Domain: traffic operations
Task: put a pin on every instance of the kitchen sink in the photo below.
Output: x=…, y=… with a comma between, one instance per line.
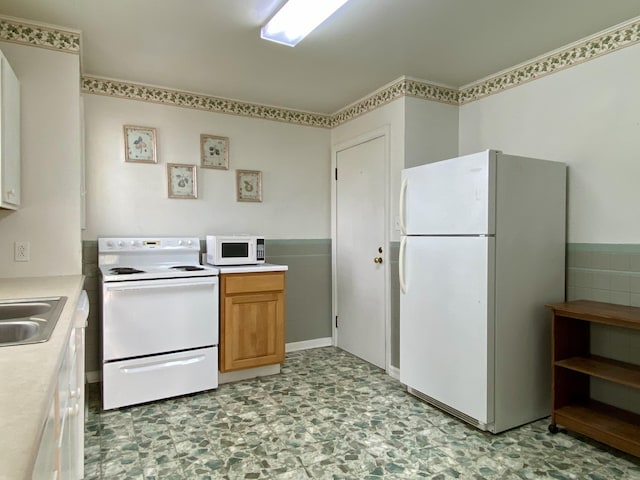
x=11, y=311
x=18, y=331
x=29, y=320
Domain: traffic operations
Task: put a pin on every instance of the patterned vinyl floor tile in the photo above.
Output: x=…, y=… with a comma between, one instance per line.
x=327, y=415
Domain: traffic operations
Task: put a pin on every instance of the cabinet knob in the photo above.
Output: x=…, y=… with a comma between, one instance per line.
x=377, y=260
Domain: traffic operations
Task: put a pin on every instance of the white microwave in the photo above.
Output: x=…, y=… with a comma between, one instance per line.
x=235, y=249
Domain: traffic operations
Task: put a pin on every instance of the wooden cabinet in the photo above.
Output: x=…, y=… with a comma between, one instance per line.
x=252, y=315
x=574, y=365
x=9, y=136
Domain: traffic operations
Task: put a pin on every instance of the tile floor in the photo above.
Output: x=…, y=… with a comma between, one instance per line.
x=328, y=415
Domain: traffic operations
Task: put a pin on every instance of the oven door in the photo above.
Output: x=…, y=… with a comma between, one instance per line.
x=128, y=382
x=146, y=317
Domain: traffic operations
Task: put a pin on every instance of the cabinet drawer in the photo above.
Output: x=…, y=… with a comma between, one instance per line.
x=253, y=282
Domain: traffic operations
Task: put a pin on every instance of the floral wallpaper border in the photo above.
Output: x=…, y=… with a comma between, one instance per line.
x=626, y=35
x=401, y=88
x=133, y=91
x=15, y=31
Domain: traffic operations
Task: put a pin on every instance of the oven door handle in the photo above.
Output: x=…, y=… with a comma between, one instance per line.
x=130, y=288
x=148, y=367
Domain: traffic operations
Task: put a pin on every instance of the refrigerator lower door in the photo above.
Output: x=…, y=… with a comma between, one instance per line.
x=446, y=328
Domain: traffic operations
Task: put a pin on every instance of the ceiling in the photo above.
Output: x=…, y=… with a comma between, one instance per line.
x=213, y=46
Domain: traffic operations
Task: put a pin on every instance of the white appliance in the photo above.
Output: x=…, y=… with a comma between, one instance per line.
x=159, y=319
x=235, y=249
x=482, y=251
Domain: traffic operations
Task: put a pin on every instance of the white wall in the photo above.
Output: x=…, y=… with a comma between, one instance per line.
x=431, y=131
x=130, y=199
x=49, y=217
x=586, y=116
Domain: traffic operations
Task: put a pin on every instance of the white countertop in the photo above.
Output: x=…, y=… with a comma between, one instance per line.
x=261, y=267
x=29, y=374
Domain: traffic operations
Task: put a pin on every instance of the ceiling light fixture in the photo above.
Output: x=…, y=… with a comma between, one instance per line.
x=297, y=18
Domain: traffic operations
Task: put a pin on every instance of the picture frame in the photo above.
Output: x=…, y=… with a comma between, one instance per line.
x=249, y=185
x=139, y=144
x=182, y=181
x=214, y=152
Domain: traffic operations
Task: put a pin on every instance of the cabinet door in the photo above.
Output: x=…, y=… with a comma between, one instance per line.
x=10, y=136
x=46, y=465
x=253, y=330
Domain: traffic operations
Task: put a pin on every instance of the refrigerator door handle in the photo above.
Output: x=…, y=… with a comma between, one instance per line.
x=403, y=201
x=403, y=285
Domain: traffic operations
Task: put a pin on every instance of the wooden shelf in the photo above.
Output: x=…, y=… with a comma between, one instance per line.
x=574, y=366
x=605, y=368
x=607, y=424
x=599, y=312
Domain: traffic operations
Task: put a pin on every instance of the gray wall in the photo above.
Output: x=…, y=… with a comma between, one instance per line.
x=308, y=293
x=608, y=273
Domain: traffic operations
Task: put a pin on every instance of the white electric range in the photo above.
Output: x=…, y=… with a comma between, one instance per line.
x=159, y=319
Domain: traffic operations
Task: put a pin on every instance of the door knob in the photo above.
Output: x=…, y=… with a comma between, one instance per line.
x=377, y=260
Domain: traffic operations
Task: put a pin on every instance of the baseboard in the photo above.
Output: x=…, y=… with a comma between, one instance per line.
x=393, y=372
x=238, y=375
x=307, y=344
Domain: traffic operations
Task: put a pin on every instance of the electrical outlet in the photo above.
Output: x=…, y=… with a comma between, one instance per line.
x=21, y=251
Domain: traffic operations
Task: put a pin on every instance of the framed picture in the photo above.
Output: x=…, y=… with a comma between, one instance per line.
x=214, y=152
x=140, y=144
x=182, y=181
x=249, y=185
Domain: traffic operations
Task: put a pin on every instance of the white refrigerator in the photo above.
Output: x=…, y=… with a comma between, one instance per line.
x=482, y=251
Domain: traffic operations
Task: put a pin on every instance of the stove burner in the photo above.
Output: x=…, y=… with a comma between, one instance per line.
x=125, y=270
x=187, y=268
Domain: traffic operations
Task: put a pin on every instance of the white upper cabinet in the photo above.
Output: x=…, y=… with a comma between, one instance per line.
x=9, y=136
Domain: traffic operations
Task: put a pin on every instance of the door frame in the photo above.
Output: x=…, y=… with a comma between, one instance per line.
x=383, y=132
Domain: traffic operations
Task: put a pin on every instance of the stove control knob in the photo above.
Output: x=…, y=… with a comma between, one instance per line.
x=121, y=243
x=133, y=243
x=189, y=242
x=109, y=243
x=180, y=242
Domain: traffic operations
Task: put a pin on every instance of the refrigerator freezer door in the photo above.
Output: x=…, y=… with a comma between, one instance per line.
x=450, y=197
x=446, y=327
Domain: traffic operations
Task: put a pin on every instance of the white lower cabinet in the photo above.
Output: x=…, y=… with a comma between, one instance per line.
x=46, y=466
x=61, y=452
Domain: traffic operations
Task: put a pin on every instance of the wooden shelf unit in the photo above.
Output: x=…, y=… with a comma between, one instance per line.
x=573, y=366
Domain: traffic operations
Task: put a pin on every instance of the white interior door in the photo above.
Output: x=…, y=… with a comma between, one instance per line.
x=361, y=250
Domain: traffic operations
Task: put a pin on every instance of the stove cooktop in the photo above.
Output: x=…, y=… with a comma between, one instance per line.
x=124, y=270
x=120, y=273
x=147, y=258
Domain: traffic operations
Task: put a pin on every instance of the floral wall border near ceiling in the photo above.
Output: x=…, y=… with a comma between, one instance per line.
x=146, y=93
x=627, y=34
x=17, y=31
